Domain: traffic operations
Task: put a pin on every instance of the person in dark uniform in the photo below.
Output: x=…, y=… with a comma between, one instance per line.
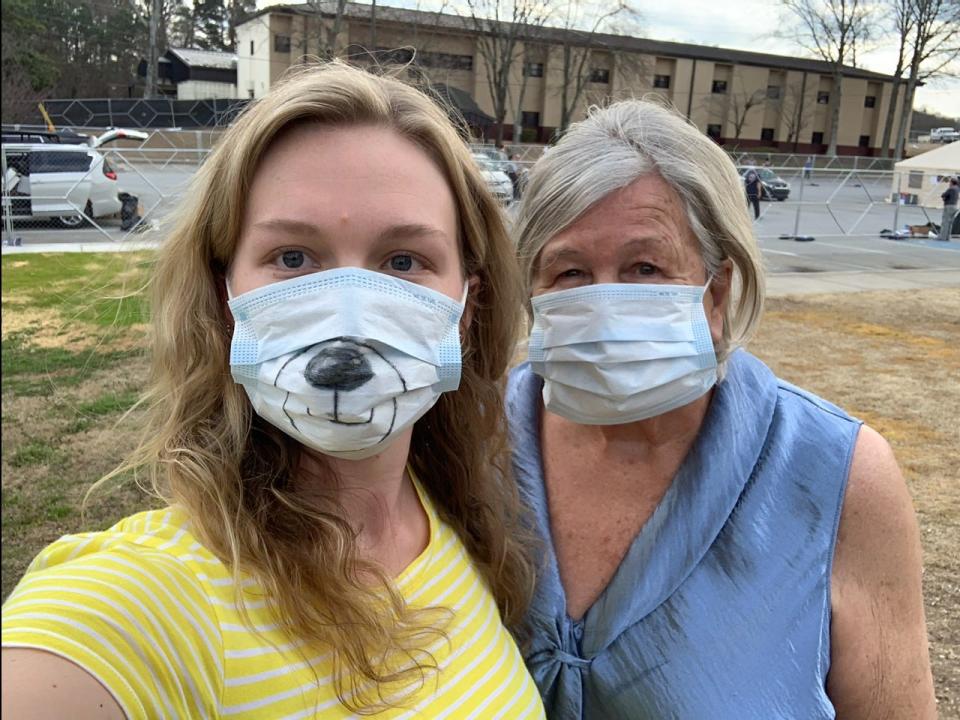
x=754, y=191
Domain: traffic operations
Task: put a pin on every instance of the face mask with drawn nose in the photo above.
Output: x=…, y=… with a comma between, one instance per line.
x=345, y=359
x=617, y=353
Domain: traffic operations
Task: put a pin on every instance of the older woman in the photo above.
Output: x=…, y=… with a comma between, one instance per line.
x=719, y=543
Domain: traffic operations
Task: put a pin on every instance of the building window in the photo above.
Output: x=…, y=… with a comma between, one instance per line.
x=530, y=119
x=281, y=43
x=719, y=87
x=250, y=93
x=773, y=92
x=766, y=134
x=916, y=180
x=823, y=98
x=600, y=75
x=870, y=101
x=661, y=81
x=251, y=48
x=447, y=61
x=864, y=141
x=533, y=69
x=713, y=131
x=817, y=138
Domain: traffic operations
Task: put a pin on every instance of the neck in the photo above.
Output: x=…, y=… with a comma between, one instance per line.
x=667, y=434
x=377, y=496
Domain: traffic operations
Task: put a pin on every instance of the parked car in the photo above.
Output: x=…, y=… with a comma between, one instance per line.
x=498, y=181
x=944, y=135
x=497, y=157
x=773, y=185
x=65, y=179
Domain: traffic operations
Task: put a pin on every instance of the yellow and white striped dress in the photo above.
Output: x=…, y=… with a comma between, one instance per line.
x=148, y=611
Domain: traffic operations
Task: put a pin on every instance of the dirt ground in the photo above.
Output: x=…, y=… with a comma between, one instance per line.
x=893, y=360
x=890, y=358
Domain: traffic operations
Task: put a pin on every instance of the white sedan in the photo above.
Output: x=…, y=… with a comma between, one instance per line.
x=498, y=181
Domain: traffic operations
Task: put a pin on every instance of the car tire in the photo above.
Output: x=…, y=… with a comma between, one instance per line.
x=71, y=222
x=781, y=199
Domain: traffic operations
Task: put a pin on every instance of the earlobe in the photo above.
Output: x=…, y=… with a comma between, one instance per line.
x=719, y=297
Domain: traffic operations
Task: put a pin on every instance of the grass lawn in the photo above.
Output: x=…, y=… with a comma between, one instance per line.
x=73, y=364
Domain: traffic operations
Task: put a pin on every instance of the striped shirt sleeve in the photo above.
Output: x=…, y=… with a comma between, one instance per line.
x=131, y=614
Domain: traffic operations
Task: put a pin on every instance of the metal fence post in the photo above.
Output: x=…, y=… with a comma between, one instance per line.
x=796, y=222
x=896, y=201
x=7, y=202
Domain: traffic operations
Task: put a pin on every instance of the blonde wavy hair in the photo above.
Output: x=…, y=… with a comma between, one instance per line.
x=205, y=449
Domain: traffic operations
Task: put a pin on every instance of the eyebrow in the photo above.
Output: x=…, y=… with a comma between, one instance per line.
x=403, y=231
x=564, y=251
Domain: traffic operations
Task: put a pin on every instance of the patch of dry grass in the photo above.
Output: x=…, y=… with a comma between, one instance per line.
x=890, y=358
x=893, y=360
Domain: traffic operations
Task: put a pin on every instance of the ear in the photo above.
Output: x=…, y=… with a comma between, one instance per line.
x=717, y=298
x=220, y=284
x=473, y=287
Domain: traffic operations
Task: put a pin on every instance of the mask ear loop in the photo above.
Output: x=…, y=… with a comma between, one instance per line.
x=225, y=296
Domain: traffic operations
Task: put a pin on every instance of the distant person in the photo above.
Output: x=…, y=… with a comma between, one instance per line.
x=754, y=191
x=333, y=314
x=808, y=168
x=949, y=198
x=717, y=543
x=519, y=175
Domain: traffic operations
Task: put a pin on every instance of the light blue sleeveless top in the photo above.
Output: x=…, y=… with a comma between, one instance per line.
x=721, y=606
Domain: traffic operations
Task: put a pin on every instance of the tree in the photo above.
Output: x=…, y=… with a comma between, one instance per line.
x=69, y=48
x=578, y=48
x=741, y=103
x=833, y=30
x=501, y=27
x=933, y=47
x=796, y=116
x=153, y=51
x=902, y=21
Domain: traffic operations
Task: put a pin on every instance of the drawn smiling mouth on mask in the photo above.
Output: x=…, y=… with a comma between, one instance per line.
x=340, y=366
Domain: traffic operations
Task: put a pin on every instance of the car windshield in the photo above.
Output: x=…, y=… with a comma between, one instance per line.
x=484, y=162
x=767, y=174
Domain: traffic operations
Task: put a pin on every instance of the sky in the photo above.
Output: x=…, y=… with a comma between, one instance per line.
x=752, y=26
x=743, y=25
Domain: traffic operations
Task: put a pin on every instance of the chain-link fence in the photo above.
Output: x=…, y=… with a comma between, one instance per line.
x=55, y=193
x=61, y=193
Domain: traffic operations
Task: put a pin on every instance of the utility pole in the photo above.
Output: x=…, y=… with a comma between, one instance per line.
x=153, y=55
x=373, y=27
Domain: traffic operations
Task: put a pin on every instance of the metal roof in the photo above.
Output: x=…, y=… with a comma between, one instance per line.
x=193, y=57
x=444, y=21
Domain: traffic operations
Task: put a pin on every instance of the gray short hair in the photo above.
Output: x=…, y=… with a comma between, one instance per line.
x=619, y=144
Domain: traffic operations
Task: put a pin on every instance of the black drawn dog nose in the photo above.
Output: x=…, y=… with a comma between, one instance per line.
x=338, y=368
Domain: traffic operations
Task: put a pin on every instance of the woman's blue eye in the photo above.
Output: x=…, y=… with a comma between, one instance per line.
x=292, y=259
x=401, y=263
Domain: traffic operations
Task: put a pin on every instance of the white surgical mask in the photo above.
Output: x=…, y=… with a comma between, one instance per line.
x=617, y=353
x=345, y=359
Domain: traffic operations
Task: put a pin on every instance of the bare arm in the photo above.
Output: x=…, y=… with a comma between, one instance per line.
x=38, y=685
x=880, y=664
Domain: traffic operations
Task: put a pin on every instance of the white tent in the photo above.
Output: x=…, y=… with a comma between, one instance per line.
x=921, y=180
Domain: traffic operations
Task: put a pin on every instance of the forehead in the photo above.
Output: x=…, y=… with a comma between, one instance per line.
x=646, y=212
x=358, y=174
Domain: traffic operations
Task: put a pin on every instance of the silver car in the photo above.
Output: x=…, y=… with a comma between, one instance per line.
x=498, y=181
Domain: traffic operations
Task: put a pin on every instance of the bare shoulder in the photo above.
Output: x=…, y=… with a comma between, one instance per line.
x=880, y=666
x=39, y=685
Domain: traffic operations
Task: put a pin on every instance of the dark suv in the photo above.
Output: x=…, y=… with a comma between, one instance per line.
x=774, y=186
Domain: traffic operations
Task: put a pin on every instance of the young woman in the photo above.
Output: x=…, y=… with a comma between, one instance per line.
x=331, y=317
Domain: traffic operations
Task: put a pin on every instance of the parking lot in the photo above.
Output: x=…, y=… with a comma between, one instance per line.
x=843, y=211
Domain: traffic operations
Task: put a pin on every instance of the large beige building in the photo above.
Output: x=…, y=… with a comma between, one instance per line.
x=740, y=98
